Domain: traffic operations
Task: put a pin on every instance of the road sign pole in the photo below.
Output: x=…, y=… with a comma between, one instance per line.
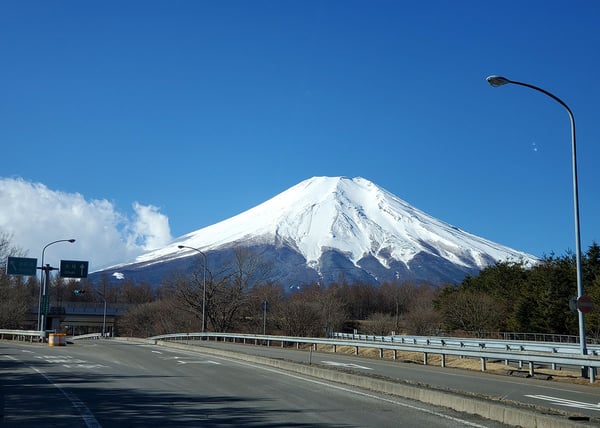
x=45, y=309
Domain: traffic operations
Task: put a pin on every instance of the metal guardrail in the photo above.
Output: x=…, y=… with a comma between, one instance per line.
x=30, y=335
x=448, y=348
x=529, y=352
x=87, y=336
x=34, y=335
x=509, y=345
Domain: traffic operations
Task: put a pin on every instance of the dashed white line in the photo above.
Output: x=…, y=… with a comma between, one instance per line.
x=348, y=365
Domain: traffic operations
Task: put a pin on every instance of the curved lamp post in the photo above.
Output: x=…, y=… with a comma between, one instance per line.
x=203, y=281
x=499, y=81
x=44, y=283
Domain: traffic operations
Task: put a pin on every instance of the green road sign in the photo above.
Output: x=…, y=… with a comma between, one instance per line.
x=21, y=266
x=73, y=269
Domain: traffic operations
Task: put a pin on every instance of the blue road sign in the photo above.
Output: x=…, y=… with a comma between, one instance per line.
x=21, y=266
x=73, y=269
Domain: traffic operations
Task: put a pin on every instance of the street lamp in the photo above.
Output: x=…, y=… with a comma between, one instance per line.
x=104, y=314
x=203, y=281
x=45, y=278
x=499, y=81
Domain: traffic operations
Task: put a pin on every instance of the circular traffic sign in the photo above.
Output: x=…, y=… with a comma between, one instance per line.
x=585, y=304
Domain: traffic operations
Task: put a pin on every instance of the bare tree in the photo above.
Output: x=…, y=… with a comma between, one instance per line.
x=16, y=296
x=379, y=323
x=421, y=317
x=470, y=310
x=313, y=311
x=299, y=316
x=226, y=291
x=262, y=307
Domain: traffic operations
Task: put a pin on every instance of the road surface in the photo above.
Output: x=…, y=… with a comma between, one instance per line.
x=107, y=383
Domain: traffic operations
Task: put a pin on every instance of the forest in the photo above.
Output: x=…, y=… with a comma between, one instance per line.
x=506, y=297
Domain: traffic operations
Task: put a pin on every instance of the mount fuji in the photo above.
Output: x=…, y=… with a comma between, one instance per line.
x=328, y=228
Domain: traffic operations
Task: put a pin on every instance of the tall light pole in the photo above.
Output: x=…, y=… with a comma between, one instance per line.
x=45, y=278
x=203, y=282
x=499, y=81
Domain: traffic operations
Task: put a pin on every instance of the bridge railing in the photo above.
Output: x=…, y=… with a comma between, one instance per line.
x=480, y=349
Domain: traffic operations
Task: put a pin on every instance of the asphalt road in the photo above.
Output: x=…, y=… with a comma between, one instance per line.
x=117, y=384
x=572, y=398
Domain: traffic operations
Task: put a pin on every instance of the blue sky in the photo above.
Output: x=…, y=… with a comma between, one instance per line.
x=134, y=122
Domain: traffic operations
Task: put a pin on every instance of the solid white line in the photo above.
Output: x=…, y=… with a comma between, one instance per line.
x=86, y=414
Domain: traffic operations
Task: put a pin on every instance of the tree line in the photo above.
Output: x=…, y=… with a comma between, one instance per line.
x=507, y=296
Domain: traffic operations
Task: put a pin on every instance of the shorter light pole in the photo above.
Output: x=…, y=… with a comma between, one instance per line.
x=203, y=282
x=104, y=314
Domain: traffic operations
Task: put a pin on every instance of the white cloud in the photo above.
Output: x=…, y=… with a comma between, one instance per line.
x=150, y=230
x=35, y=215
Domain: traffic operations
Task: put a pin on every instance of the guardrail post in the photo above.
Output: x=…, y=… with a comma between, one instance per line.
x=443, y=360
x=592, y=374
x=424, y=358
x=483, y=364
x=356, y=350
x=531, y=370
x=380, y=352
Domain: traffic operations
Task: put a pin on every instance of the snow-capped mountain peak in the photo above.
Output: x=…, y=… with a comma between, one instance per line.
x=351, y=216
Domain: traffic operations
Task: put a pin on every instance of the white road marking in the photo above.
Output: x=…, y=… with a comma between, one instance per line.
x=183, y=360
x=348, y=365
x=84, y=366
x=70, y=362
x=567, y=403
x=61, y=360
x=87, y=416
x=198, y=362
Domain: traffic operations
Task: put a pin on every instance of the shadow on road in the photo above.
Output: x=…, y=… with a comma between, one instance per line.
x=29, y=399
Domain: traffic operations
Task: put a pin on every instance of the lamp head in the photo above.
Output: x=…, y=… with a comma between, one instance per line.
x=71, y=240
x=496, y=81
x=181, y=246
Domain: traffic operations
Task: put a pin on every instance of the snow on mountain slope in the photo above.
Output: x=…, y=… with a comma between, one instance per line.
x=353, y=216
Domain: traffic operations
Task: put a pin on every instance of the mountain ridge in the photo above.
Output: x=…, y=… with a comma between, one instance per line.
x=335, y=221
